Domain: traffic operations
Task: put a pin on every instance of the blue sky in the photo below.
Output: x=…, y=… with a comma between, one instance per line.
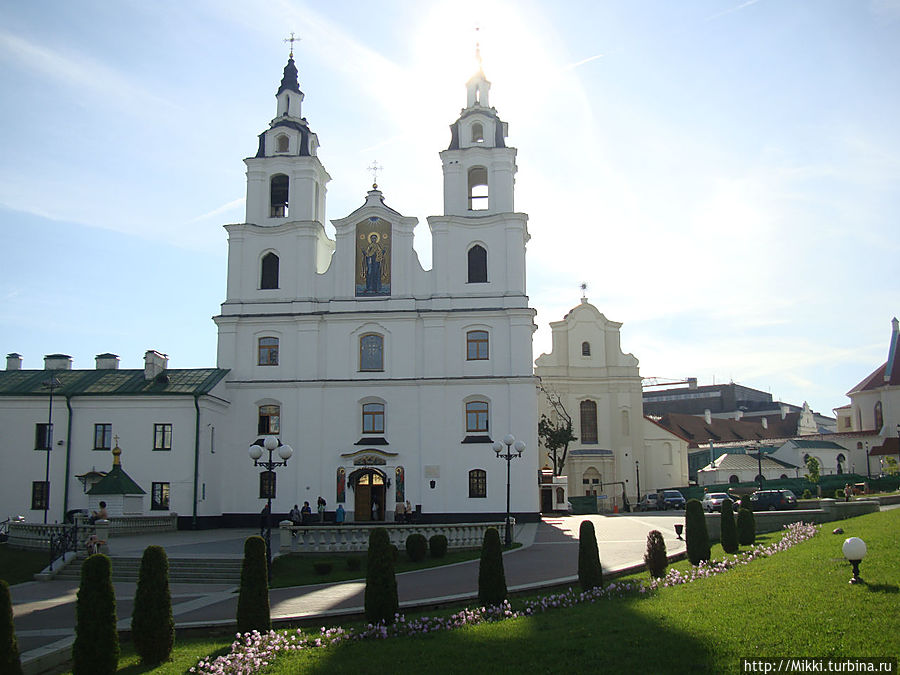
x=723, y=175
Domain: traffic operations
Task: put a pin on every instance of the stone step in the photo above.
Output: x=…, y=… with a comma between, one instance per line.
x=181, y=570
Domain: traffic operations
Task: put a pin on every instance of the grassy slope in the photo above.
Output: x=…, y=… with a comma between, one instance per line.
x=17, y=566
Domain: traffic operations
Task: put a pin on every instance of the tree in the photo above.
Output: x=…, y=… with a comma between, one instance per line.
x=590, y=574
x=9, y=649
x=253, y=600
x=381, y=601
x=655, y=557
x=696, y=535
x=96, y=647
x=746, y=527
x=556, y=434
x=152, y=625
x=729, y=530
x=890, y=466
x=812, y=465
x=491, y=576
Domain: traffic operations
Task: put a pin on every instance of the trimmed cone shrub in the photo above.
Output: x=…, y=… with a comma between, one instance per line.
x=152, y=625
x=696, y=535
x=590, y=574
x=729, y=530
x=491, y=576
x=416, y=547
x=96, y=648
x=381, y=585
x=253, y=601
x=655, y=557
x=437, y=546
x=9, y=649
x=746, y=527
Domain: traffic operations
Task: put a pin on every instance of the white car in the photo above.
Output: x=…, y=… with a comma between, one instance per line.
x=712, y=501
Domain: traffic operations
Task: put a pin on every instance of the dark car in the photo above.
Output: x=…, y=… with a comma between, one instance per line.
x=773, y=500
x=671, y=499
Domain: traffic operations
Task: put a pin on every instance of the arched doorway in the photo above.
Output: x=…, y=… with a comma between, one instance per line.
x=369, y=488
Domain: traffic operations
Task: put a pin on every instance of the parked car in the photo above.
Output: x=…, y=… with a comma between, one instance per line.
x=712, y=501
x=671, y=499
x=773, y=500
x=648, y=502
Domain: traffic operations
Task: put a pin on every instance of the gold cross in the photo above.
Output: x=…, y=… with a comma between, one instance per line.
x=374, y=168
x=116, y=439
x=292, y=40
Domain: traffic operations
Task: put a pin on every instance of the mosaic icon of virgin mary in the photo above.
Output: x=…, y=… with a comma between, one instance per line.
x=373, y=275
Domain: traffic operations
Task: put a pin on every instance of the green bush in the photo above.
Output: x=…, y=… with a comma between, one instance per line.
x=746, y=527
x=152, y=625
x=696, y=535
x=96, y=647
x=729, y=530
x=381, y=601
x=9, y=649
x=807, y=494
x=590, y=574
x=253, y=600
x=322, y=568
x=655, y=557
x=839, y=494
x=416, y=547
x=354, y=564
x=437, y=546
x=491, y=576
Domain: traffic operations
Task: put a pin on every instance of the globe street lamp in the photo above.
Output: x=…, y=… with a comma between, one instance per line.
x=854, y=550
x=267, y=482
x=519, y=446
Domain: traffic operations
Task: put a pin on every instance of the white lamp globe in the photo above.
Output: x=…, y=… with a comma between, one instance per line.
x=285, y=451
x=854, y=548
x=255, y=452
x=520, y=447
x=270, y=442
x=509, y=439
x=497, y=446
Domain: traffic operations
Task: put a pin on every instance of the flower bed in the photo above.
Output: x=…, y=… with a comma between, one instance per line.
x=250, y=652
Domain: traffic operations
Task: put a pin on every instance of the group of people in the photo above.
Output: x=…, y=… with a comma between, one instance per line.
x=403, y=512
x=303, y=515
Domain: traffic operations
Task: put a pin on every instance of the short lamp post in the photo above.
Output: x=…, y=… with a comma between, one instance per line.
x=514, y=448
x=267, y=482
x=854, y=550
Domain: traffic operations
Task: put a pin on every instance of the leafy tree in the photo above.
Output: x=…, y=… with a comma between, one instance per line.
x=729, y=529
x=590, y=573
x=696, y=535
x=491, y=576
x=655, y=557
x=891, y=467
x=556, y=434
x=381, y=602
x=96, y=647
x=9, y=649
x=152, y=625
x=253, y=600
x=812, y=465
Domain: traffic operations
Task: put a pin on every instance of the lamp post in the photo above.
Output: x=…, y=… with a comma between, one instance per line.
x=759, y=462
x=637, y=472
x=50, y=384
x=868, y=470
x=898, y=446
x=267, y=482
x=519, y=446
x=854, y=550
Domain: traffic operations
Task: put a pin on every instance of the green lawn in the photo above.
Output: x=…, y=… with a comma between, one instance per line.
x=17, y=566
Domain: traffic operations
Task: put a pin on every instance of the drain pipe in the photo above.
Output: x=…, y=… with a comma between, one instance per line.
x=68, y=456
x=196, y=458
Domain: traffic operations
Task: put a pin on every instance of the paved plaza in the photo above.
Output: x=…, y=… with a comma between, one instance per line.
x=44, y=612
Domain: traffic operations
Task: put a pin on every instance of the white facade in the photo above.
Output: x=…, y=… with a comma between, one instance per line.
x=600, y=388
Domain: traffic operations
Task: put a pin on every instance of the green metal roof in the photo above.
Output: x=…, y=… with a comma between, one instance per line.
x=116, y=482
x=188, y=381
x=831, y=445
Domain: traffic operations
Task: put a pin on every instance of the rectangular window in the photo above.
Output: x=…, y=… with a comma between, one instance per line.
x=477, y=484
x=371, y=352
x=40, y=495
x=373, y=418
x=588, y=410
x=477, y=417
x=43, y=434
x=162, y=436
x=159, y=497
x=268, y=351
x=477, y=345
x=102, y=436
x=269, y=419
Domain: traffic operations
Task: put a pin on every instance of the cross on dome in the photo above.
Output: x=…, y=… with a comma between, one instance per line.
x=292, y=40
x=374, y=167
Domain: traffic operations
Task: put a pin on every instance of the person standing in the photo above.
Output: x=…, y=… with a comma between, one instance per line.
x=320, y=507
x=339, y=515
x=374, y=509
x=305, y=513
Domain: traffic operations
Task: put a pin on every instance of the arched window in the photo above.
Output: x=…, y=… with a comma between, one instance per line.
x=588, y=411
x=267, y=351
x=281, y=143
x=477, y=133
x=879, y=416
x=560, y=495
x=784, y=475
x=585, y=348
x=477, y=417
x=371, y=352
x=373, y=418
x=477, y=265
x=269, y=419
x=478, y=188
x=477, y=484
x=733, y=479
x=268, y=277
x=840, y=462
x=477, y=345
x=278, y=196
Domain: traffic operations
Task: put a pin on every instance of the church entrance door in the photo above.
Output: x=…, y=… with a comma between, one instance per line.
x=370, y=495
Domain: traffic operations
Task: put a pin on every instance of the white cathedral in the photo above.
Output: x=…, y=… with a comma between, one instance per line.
x=391, y=382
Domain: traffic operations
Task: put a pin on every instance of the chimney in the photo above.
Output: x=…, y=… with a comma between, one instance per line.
x=765, y=422
x=784, y=411
x=107, y=361
x=692, y=382
x=14, y=361
x=154, y=363
x=57, y=362
x=738, y=414
x=707, y=415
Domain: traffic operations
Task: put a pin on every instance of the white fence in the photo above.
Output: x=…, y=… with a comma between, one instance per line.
x=351, y=538
x=36, y=536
